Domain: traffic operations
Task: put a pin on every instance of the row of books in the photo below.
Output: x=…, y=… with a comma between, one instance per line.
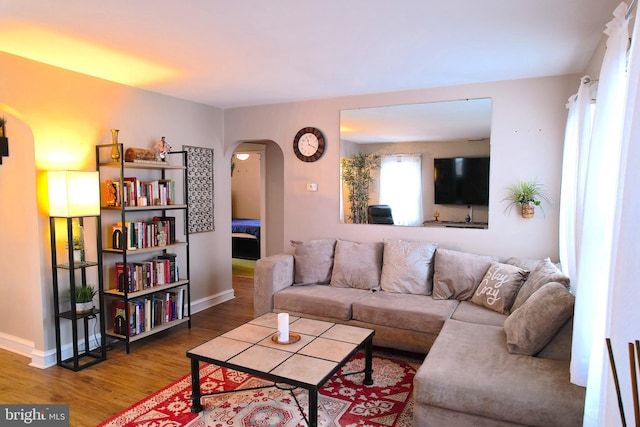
x=143, y=314
x=137, y=276
x=160, y=231
x=134, y=192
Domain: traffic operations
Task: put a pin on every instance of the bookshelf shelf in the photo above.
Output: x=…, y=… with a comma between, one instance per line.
x=155, y=330
x=145, y=209
x=142, y=165
x=154, y=289
x=146, y=250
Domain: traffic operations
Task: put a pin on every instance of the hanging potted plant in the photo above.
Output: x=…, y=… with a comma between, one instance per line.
x=527, y=195
x=4, y=141
x=84, y=298
x=357, y=176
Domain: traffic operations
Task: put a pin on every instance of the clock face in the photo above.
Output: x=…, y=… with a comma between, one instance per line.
x=308, y=144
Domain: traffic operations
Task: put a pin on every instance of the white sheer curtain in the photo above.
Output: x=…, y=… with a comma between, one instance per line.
x=595, y=219
x=401, y=187
x=578, y=134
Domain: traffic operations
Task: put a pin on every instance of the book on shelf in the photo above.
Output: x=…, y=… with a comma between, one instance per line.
x=130, y=191
x=138, y=276
x=171, y=236
x=143, y=314
x=111, y=194
x=125, y=278
x=136, y=192
x=143, y=234
x=172, y=269
x=119, y=317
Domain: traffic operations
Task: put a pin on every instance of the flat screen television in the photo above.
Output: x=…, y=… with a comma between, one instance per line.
x=461, y=181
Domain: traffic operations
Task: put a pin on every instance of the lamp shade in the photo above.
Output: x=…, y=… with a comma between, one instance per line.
x=74, y=193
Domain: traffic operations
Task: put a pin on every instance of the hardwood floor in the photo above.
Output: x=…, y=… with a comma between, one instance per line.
x=107, y=388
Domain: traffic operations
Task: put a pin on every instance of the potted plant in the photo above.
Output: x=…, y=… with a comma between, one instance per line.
x=4, y=141
x=84, y=298
x=357, y=175
x=528, y=195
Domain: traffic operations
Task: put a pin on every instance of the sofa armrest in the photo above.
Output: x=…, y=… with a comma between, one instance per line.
x=271, y=275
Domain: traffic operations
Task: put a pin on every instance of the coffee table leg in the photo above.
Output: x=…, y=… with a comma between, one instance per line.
x=313, y=408
x=196, y=406
x=368, y=363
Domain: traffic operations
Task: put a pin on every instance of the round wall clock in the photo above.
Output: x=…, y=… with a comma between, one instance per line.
x=308, y=144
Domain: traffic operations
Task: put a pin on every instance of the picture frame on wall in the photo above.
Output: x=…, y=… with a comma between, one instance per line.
x=200, y=185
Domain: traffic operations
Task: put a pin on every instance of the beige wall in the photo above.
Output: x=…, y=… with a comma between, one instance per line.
x=527, y=135
x=68, y=114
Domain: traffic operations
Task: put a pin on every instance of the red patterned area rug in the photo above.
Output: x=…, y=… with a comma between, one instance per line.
x=343, y=401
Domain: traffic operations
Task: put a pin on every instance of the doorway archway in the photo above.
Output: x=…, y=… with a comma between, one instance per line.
x=257, y=192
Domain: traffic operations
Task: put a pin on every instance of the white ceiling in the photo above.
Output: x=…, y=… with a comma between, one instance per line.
x=465, y=119
x=230, y=53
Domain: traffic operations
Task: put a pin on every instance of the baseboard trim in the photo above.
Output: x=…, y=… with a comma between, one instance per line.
x=16, y=344
x=212, y=300
x=46, y=359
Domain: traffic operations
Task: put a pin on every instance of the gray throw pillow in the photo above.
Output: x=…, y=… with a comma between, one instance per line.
x=499, y=287
x=313, y=261
x=524, y=263
x=407, y=267
x=531, y=327
x=357, y=265
x=457, y=274
x=545, y=272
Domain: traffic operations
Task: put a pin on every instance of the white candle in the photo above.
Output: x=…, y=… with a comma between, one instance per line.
x=283, y=327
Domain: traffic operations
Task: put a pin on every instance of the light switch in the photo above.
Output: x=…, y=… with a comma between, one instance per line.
x=312, y=187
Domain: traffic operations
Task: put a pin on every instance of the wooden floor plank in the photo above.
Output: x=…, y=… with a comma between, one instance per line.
x=107, y=388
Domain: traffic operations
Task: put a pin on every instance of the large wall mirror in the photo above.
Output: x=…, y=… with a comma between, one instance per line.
x=423, y=165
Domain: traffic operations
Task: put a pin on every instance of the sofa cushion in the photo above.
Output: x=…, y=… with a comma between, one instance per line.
x=415, y=312
x=357, y=265
x=407, y=267
x=313, y=261
x=532, y=326
x=545, y=272
x=499, y=287
x=318, y=300
x=473, y=313
x=457, y=274
x=469, y=370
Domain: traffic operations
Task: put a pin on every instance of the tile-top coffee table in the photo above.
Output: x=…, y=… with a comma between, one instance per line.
x=322, y=350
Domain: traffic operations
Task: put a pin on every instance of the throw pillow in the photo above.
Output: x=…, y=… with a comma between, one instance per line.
x=457, y=274
x=499, y=287
x=524, y=263
x=545, y=272
x=531, y=327
x=357, y=265
x=313, y=261
x=407, y=267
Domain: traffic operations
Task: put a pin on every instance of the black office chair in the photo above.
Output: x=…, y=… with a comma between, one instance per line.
x=379, y=214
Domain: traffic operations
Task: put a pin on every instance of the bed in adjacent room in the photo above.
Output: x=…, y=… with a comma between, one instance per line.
x=245, y=237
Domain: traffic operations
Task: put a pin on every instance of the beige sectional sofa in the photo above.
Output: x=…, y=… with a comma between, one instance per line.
x=497, y=333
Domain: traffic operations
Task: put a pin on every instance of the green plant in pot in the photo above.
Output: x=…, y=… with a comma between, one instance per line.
x=527, y=195
x=357, y=174
x=84, y=298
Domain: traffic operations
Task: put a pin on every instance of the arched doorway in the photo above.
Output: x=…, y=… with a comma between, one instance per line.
x=257, y=186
